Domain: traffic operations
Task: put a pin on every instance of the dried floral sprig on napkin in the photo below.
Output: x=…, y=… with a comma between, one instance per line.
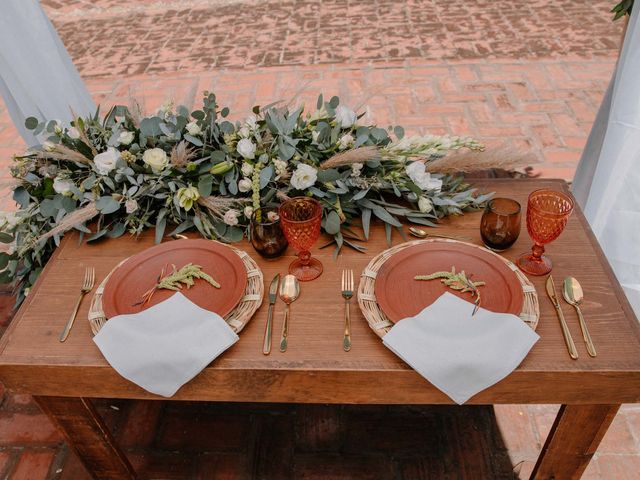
x=457, y=281
x=187, y=275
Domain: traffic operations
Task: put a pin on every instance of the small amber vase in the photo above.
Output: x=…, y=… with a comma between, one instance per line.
x=266, y=233
x=301, y=218
x=547, y=214
x=500, y=224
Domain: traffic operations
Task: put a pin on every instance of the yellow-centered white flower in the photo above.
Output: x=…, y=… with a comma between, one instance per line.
x=304, y=176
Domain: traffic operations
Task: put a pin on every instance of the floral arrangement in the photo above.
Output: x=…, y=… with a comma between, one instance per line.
x=183, y=170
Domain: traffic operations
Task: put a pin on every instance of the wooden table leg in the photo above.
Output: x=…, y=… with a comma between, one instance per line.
x=574, y=438
x=87, y=434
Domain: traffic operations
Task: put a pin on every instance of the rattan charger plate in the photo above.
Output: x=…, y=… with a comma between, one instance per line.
x=236, y=319
x=381, y=324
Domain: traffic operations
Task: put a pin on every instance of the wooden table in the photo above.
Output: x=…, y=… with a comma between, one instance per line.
x=315, y=369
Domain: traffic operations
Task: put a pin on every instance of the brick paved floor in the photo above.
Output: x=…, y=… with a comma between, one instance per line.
x=529, y=72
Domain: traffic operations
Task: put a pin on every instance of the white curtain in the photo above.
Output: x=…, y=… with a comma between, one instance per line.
x=37, y=76
x=607, y=182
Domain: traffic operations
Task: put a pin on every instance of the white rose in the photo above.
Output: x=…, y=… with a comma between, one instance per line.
x=418, y=175
x=246, y=169
x=345, y=141
x=248, y=211
x=131, y=206
x=244, y=132
x=106, y=161
x=231, y=217
x=244, y=185
x=156, y=158
x=304, y=176
x=345, y=116
x=126, y=137
x=193, y=129
x=424, y=205
x=48, y=146
x=62, y=185
x=246, y=148
x=73, y=133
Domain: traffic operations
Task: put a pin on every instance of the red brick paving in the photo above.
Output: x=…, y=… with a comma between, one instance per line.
x=528, y=72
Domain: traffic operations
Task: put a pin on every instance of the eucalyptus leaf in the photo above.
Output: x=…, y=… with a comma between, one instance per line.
x=366, y=221
x=332, y=223
x=5, y=238
x=107, y=204
x=205, y=185
x=265, y=176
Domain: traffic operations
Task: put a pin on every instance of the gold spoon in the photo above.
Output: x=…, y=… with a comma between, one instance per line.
x=289, y=291
x=572, y=293
x=420, y=233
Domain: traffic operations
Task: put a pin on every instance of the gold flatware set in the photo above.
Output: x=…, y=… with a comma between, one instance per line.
x=573, y=295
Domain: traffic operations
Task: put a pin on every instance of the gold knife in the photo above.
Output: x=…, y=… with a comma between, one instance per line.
x=273, y=295
x=551, y=292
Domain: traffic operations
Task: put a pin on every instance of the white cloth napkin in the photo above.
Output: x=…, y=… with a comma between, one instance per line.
x=164, y=346
x=458, y=353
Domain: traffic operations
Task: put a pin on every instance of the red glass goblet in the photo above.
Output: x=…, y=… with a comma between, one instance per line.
x=547, y=215
x=300, y=218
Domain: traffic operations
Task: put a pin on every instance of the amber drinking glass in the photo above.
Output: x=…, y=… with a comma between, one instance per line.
x=266, y=233
x=301, y=218
x=547, y=215
x=500, y=224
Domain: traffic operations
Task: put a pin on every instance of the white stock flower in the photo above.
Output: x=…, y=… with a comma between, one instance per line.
x=418, y=175
x=193, y=129
x=304, y=176
x=131, y=206
x=281, y=168
x=244, y=185
x=62, y=185
x=246, y=169
x=244, y=132
x=48, y=146
x=424, y=205
x=156, y=158
x=345, y=141
x=246, y=148
x=74, y=133
x=106, y=161
x=356, y=169
x=248, y=211
x=345, y=116
x=231, y=217
x=125, y=137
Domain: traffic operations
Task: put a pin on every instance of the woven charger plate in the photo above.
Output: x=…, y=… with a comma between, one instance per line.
x=236, y=319
x=381, y=324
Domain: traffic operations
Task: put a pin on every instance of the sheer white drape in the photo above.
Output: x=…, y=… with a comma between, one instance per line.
x=607, y=183
x=37, y=76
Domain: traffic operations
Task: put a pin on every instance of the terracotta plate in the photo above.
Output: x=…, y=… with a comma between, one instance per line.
x=400, y=296
x=140, y=272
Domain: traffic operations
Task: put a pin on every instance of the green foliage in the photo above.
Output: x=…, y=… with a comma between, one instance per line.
x=621, y=9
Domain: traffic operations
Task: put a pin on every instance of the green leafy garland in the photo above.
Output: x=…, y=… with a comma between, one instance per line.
x=105, y=177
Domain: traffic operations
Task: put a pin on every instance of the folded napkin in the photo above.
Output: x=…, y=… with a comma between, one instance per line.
x=165, y=346
x=458, y=353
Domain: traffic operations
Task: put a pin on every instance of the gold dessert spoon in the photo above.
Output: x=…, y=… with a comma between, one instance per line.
x=573, y=295
x=289, y=292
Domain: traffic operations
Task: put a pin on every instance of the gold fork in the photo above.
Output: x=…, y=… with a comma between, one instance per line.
x=87, y=285
x=347, y=293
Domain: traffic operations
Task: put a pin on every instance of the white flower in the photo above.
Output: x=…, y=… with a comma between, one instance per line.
x=345, y=141
x=304, y=176
x=48, y=146
x=244, y=132
x=246, y=148
x=193, y=128
x=281, y=168
x=418, y=175
x=244, y=185
x=273, y=216
x=424, y=205
x=125, y=137
x=187, y=196
x=251, y=122
x=131, y=206
x=74, y=133
x=231, y=217
x=156, y=158
x=106, y=161
x=248, y=211
x=345, y=116
x=356, y=169
x=246, y=169
x=62, y=185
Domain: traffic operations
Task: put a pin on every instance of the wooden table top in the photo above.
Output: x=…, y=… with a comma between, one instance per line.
x=315, y=368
